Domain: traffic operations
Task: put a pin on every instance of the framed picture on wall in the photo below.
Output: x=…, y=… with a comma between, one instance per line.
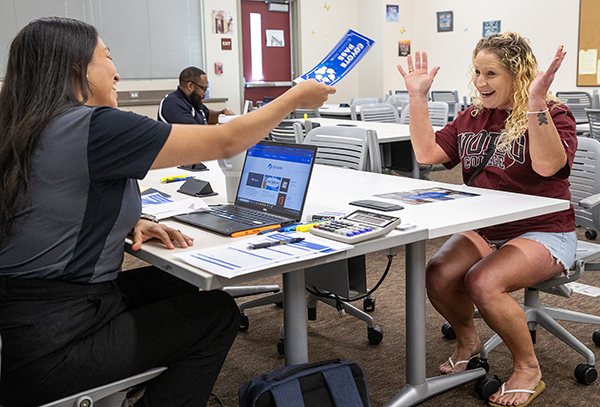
x=403, y=48
x=391, y=13
x=445, y=21
x=491, y=28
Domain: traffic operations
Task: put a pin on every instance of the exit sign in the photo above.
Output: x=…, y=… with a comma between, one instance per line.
x=226, y=43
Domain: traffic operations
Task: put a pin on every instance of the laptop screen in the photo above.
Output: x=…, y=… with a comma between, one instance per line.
x=275, y=178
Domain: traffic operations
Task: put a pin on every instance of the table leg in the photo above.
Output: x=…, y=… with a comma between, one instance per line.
x=418, y=388
x=416, y=171
x=294, y=318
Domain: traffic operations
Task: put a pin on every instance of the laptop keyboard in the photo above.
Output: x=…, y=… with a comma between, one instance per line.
x=244, y=215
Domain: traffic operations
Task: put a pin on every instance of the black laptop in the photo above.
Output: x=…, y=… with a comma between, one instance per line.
x=272, y=191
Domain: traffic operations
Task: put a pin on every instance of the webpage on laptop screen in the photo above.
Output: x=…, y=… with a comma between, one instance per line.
x=276, y=177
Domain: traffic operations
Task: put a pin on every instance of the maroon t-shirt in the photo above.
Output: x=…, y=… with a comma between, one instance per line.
x=465, y=141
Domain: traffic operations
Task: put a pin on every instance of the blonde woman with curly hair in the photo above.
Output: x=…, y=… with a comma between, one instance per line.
x=514, y=138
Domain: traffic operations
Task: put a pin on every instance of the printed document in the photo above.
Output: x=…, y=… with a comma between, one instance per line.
x=238, y=258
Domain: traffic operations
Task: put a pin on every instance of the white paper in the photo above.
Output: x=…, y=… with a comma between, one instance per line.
x=236, y=258
x=275, y=38
x=588, y=61
x=166, y=210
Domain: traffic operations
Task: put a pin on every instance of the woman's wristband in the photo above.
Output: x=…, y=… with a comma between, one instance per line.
x=539, y=111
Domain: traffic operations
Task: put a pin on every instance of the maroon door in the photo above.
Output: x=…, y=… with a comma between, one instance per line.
x=275, y=47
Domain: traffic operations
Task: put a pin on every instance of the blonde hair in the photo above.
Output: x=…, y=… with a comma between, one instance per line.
x=515, y=54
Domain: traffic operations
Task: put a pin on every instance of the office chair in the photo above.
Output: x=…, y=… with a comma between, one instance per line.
x=89, y=397
x=593, y=116
x=310, y=113
x=379, y=112
x=290, y=131
x=399, y=101
x=585, y=197
x=450, y=97
x=577, y=102
x=358, y=102
x=358, y=149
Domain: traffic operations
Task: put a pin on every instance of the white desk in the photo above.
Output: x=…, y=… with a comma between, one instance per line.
x=432, y=220
x=386, y=132
x=582, y=128
x=335, y=111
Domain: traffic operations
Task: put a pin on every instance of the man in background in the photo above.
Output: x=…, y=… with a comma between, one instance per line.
x=184, y=106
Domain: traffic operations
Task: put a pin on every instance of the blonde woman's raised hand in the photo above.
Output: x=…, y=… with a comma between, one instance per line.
x=541, y=84
x=418, y=81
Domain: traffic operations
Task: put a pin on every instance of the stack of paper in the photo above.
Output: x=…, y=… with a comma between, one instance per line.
x=237, y=258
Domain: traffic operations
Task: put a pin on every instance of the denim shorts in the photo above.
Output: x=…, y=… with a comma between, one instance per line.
x=562, y=246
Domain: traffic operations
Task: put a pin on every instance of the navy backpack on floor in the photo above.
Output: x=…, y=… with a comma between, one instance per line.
x=322, y=384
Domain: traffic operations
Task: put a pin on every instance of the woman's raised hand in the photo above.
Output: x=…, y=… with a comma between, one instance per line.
x=418, y=81
x=541, y=84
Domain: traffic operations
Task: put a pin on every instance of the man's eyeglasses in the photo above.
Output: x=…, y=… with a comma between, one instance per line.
x=204, y=88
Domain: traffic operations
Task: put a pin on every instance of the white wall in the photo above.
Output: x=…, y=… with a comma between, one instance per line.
x=547, y=24
x=320, y=30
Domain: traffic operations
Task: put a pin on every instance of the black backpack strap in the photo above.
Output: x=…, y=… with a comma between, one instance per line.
x=488, y=154
x=342, y=386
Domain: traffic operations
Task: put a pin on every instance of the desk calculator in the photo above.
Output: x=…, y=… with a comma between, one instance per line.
x=356, y=227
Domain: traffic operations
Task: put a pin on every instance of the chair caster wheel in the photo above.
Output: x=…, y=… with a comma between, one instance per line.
x=375, y=335
x=477, y=362
x=448, y=331
x=369, y=304
x=585, y=374
x=279, y=304
x=244, y=322
x=591, y=234
x=596, y=337
x=487, y=385
x=281, y=347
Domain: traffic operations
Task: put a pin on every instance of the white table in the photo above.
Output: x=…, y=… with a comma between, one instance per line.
x=432, y=220
x=386, y=133
x=582, y=128
x=335, y=111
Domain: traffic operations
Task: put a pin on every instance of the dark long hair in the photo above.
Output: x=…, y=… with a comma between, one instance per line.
x=45, y=76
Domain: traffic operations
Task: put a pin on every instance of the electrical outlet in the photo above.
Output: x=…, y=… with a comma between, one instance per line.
x=134, y=95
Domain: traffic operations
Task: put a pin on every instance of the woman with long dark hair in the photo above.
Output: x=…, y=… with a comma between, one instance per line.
x=69, y=161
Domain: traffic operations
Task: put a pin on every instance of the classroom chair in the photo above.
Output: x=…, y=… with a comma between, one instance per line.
x=348, y=147
x=450, y=97
x=593, y=116
x=89, y=397
x=585, y=197
x=577, y=102
x=358, y=102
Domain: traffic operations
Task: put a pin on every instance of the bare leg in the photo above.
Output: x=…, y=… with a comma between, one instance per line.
x=519, y=263
x=447, y=292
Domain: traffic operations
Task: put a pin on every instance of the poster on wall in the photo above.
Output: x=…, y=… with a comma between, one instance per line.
x=445, y=21
x=491, y=28
x=403, y=48
x=391, y=13
x=275, y=38
x=342, y=58
x=222, y=22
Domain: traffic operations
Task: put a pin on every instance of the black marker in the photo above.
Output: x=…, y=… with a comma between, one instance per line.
x=276, y=243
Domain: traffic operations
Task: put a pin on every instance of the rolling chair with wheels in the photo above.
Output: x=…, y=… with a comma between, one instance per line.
x=354, y=148
x=89, y=397
x=585, y=197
